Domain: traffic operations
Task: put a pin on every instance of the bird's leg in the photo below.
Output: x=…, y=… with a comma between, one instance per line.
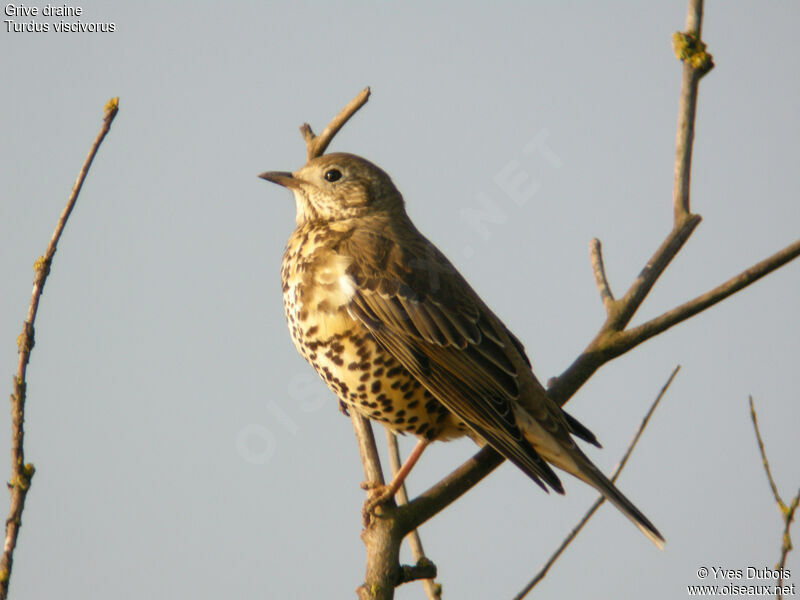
x=404, y=470
x=383, y=493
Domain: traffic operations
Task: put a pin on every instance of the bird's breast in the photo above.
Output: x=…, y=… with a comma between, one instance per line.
x=316, y=292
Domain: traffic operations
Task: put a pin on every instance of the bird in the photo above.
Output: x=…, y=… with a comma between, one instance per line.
x=400, y=337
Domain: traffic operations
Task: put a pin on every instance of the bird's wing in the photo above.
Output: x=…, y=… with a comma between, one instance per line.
x=424, y=313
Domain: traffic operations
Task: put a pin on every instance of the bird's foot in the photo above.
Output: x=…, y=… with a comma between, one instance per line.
x=377, y=494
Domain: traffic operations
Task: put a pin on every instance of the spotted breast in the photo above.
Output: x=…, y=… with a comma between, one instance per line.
x=363, y=375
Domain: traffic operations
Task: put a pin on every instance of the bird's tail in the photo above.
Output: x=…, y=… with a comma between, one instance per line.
x=594, y=477
x=569, y=458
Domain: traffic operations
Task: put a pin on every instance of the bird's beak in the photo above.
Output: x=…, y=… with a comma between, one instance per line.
x=283, y=178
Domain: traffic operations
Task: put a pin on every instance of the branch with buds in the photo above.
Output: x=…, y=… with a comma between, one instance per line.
x=22, y=472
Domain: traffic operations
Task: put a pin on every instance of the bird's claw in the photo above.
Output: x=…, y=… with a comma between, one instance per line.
x=377, y=494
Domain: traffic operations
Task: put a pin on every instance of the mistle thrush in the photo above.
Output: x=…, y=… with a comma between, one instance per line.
x=400, y=336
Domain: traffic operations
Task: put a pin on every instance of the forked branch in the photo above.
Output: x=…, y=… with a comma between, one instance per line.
x=610, y=343
x=787, y=511
x=317, y=144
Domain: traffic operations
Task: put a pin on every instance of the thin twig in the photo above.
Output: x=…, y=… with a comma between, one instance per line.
x=608, y=345
x=317, y=144
x=650, y=273
x=786, y=540
x=764, y=460
x=21, y=472
x=433, y=591
x=617, y=470
x=687, y=106
x=787, y=512
x=645, y=331
x=370, y=461
x=599, y=271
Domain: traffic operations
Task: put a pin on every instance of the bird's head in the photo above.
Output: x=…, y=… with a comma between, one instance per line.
x=338, y=186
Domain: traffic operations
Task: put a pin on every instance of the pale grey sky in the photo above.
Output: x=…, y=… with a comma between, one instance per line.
x=183, y=449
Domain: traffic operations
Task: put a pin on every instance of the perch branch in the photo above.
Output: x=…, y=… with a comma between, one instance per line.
x=433, y=591
x=317, y=144
x=380, y=535
x=617, y=470
x=424, y=570
x=370, y=461
x=22, y=472
x=449, y=489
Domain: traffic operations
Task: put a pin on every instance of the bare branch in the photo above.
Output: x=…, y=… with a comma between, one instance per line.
x=786, y=540
x=696, y=63
x=764, y=460
x=787, y=512
x=22, y=473
x=380, y=536
x=317, y=144
x=370, y=461
x=433, y=591
x=638, y=334
x=424, y=570
x=694, y=18
x=449, y=489
x=609, y=344
x=617, y=470
x=599, y=270
x=606, y=343
x=648, y=276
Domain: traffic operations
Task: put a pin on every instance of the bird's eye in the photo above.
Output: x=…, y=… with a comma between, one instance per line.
x=333, y=175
